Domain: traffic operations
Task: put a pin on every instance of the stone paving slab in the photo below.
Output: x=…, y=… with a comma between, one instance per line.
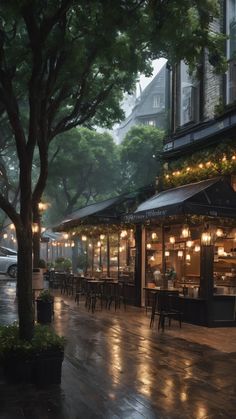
x=116, y=367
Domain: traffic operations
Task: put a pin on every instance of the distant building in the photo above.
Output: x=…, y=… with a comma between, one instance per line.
x=150, y=108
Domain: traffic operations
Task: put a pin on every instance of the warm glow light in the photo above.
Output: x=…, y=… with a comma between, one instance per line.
x=43, y=229
x=152, y=258
x=149, y=245
x=233, y=157
x=189, y=243
x=221, y=251
x=123, y=233
x=224, y=158
x=167, y=253
x=197, y=248
x=172, y=239
x=154, y=236
x=180, y=253
x=185, y=232
x=206, y=238
x=72, y=244
x=66, y=245
x=5, y=235
x=66, y=236
x=200, y=166
x=12, y=227
x=188, y=257
x=84, y=238
x=102, y=236
x=90, y=244
x=219, y=232
x=188, y=169
x=35, y=228
x=167, y=176
x=42, y=206
x=208, y=164
x=98, y=244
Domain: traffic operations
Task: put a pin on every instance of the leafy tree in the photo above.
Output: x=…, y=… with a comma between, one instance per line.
x=65, y=63
x=140, y=156
x=84, y=167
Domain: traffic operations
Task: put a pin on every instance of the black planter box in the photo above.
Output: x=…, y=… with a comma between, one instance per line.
x=47, y=368
x=44, y=311
x=18, y=370
x=43, y=369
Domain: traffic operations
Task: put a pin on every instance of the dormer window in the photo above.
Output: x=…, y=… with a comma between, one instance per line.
x=158, y=101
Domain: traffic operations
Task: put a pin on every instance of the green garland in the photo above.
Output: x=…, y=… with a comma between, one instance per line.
x=202, y=165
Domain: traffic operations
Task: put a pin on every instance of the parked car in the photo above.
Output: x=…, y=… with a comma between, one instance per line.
x=8, y=261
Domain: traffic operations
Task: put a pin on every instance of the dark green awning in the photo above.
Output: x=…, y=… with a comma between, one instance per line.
x=213, y=197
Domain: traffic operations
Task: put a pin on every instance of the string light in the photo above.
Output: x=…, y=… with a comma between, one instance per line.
x=200, y=166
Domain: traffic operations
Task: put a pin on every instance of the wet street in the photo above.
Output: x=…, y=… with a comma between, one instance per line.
x=116, y=367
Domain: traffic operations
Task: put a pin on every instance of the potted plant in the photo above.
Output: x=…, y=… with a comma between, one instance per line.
x=44, y=304
x=63, y=264
x=38, y=361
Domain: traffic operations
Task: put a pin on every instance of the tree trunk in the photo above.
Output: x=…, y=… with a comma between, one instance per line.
x=24, y=282
x=36, y=238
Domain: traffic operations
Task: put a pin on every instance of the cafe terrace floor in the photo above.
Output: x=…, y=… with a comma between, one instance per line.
x=116, y=367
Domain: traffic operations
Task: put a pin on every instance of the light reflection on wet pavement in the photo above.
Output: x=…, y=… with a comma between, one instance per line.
x=116, y=367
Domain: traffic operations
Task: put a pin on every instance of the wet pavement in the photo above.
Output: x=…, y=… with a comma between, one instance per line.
x=116, y=367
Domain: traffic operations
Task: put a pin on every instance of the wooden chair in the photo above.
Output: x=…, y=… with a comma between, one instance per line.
x=163, y=307
x=167, y=311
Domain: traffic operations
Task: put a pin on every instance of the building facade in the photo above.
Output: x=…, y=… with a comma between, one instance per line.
x=151, y=107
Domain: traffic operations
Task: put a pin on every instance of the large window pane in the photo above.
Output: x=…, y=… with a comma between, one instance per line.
x=231, y=50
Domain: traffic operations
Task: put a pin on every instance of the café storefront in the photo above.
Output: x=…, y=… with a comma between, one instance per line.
x=187, y=241
x=106, y=244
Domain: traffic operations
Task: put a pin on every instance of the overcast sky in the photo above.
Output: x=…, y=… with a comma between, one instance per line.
x=144, y=81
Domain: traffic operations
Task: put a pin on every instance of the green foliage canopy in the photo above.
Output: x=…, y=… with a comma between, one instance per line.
x=84, y=168
x=140, y=156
